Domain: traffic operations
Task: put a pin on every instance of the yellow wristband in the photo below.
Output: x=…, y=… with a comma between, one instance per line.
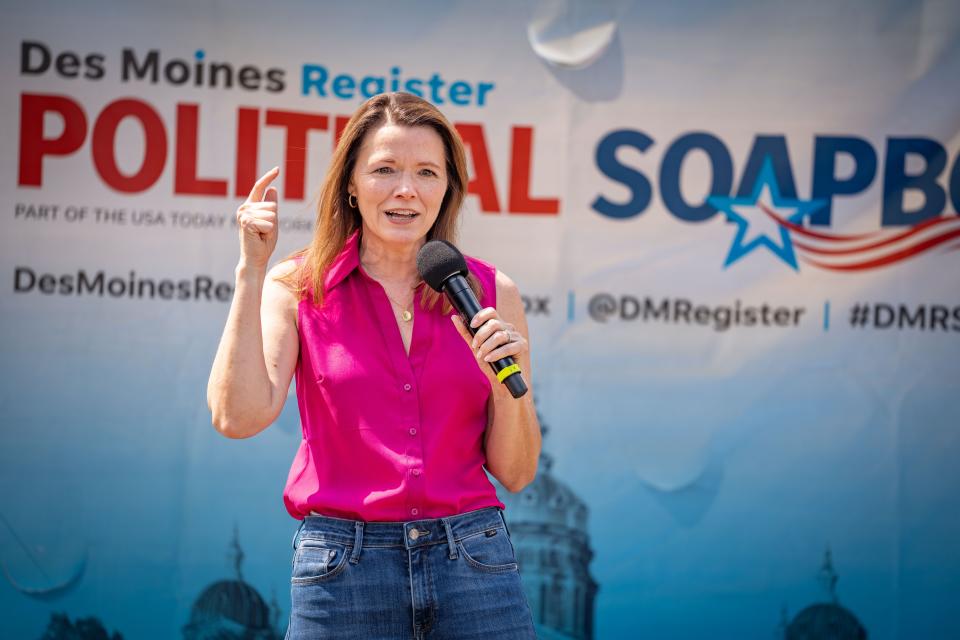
x=507, y=372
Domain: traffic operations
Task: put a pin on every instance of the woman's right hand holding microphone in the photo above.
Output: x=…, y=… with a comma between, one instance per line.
x=257, y=222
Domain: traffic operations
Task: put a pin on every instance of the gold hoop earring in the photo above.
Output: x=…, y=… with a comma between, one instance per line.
x=352, y=201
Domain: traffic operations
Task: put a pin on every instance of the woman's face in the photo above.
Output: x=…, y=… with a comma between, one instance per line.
x=399, y=181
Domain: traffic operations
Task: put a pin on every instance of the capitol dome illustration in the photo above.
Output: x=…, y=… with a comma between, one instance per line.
x=232, y=610
x=548, y=527
x=825, y=620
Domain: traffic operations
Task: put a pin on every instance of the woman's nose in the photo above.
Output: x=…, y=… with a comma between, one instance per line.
x=405, y=186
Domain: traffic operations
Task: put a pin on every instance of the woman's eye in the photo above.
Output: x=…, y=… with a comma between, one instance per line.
x=428, y=172
x=384, y=170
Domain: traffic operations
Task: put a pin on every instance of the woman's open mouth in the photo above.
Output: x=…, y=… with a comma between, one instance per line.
x=401, y=215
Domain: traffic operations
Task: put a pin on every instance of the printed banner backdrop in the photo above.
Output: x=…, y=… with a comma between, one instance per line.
x=734, y=224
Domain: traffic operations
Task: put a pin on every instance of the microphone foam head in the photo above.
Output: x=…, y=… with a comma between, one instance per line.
x=437, y=260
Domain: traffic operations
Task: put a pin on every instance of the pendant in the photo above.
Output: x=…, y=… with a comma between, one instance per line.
x=406, y=316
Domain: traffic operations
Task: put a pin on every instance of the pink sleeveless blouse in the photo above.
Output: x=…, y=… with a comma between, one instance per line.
x=387, y=436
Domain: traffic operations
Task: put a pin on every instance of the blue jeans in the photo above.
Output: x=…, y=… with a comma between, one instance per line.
x=453, y=577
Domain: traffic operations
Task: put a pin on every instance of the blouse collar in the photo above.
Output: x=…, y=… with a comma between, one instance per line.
x=345, y=263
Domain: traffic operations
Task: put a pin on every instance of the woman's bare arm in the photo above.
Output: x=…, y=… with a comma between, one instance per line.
x=257, y=355
x=258, y=351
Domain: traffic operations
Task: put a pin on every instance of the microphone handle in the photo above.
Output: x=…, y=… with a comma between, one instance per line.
x=463, y=299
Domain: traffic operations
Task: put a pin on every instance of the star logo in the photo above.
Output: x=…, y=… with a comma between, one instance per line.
x=762, y=208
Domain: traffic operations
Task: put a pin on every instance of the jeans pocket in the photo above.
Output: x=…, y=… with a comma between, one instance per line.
x=318, y=560
x=490, y=551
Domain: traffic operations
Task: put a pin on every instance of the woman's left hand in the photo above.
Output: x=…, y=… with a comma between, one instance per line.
x=511, y=441
x=495, y=338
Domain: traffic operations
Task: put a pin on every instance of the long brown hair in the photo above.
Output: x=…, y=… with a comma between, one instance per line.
x=337, y=220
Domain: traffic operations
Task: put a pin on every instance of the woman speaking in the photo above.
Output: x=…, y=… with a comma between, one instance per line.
x=402, y=535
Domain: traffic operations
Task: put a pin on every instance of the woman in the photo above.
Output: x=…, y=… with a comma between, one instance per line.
x=402, y=533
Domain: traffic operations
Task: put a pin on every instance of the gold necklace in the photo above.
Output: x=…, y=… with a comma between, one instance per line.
x=406, y=315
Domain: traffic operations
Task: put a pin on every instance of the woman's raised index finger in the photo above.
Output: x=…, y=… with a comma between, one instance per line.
x=260, y=186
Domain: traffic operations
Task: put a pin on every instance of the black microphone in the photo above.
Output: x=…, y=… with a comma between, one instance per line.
x=442, y=266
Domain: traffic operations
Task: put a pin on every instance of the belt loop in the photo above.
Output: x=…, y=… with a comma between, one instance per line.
x=450, y=542
x=296, y=534
x=500, y=511
x=357, y=542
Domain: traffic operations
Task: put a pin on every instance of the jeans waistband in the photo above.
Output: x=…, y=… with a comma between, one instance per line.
x=414, y=533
